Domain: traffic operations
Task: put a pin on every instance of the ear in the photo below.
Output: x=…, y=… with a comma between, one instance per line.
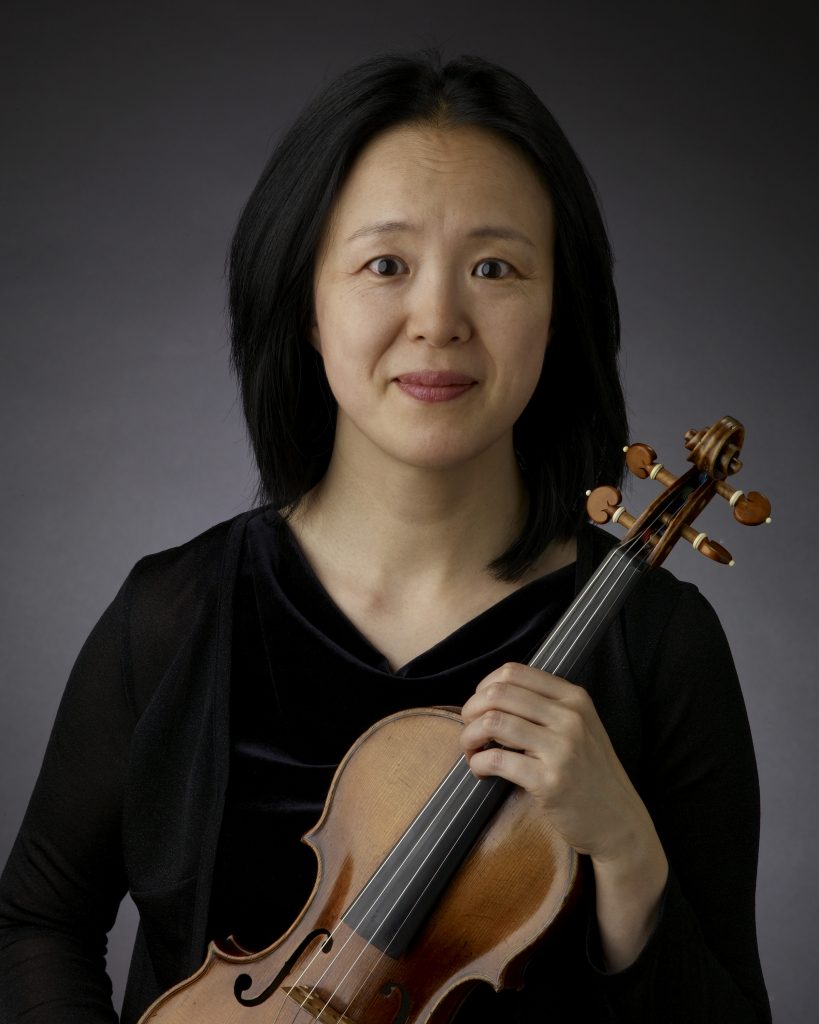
x=315, y=338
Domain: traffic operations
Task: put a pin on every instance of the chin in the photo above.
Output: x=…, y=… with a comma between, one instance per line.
x=438, y=457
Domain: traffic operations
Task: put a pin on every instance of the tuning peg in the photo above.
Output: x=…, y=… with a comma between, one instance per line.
x=749, y=509
x=641, y=460
x=603, y=505
x=706, y=546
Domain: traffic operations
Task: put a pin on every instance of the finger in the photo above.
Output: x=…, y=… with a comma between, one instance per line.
x=512, y=765
x=534, y=679
x=531, y=704
x=509, y=730
x=516, y=700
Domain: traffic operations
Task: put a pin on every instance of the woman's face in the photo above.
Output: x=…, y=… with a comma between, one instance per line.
x=433, y=295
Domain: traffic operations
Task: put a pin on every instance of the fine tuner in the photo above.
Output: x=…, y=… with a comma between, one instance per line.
x=714, y=453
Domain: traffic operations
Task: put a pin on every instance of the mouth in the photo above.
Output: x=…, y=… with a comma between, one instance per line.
x=435, y=385
x=436, y=378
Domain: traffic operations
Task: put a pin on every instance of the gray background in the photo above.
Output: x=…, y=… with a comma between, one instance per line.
x=133, y=133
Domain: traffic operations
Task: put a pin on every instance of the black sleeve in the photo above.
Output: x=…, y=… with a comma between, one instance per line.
x=64, y=879
x=699, y=782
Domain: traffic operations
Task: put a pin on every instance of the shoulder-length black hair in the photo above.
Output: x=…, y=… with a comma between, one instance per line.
x=571, y=435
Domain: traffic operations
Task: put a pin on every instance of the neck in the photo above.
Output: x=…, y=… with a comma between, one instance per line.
x=390, y=520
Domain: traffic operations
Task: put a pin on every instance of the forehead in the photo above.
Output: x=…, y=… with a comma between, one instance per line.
x=444, y=175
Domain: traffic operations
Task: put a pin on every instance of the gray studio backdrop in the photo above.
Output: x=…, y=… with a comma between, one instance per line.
x=131, y=136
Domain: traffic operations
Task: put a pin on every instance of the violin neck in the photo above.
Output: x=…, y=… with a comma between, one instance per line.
x=577, y=633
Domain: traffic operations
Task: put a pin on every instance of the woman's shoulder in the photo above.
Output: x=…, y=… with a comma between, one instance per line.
x=178, y=596
x=166, y=588
x=199, y=561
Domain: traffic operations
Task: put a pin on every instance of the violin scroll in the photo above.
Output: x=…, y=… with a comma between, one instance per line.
x=714, y=451
x=715, y=455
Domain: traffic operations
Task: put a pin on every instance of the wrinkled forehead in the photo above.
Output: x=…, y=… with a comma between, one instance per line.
x=432, y=177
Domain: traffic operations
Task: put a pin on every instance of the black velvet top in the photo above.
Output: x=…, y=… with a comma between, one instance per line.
x=305, y=684
x=148, y=787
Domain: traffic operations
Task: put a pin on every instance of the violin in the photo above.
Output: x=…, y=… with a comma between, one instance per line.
x=410, y=842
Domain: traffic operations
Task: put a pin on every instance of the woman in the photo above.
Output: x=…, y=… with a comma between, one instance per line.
x=425, y=333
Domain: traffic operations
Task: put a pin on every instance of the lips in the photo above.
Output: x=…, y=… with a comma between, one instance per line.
x=435, y=378
x=435, y=385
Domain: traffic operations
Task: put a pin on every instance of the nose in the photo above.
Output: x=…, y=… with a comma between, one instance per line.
x=436, y=311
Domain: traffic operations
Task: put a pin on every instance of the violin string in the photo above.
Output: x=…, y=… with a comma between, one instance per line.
x=385, y=918
x=605, y=570
x=561, y=632
x=347, y=913
x=624, y=552
x=618, y=559
x=625, y=563
x=611, y=569
x=592, y=593
x=381, y=867
x=409, y=912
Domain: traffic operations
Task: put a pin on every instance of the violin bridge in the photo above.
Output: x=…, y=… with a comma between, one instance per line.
x=315, y=1005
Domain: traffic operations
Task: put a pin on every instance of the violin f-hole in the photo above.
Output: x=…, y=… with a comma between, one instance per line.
x=244, y=981
x=387, y=990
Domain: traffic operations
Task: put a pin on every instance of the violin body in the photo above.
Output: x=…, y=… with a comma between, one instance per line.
x=516, y=879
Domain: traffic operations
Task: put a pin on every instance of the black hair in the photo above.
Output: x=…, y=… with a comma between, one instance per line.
x=571, y=435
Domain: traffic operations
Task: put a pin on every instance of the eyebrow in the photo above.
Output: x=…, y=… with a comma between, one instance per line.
x=387, y=227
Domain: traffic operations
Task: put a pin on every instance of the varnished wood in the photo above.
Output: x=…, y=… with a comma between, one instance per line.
x=750, y=509
x=603, y=502
x=715, y=453
x=513, y=884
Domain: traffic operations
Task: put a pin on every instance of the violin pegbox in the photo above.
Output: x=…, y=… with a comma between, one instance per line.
x=714, y=453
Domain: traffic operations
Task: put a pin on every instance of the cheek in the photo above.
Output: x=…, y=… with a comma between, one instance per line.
x=350, y=367
x=525, y=366
x=352, y=344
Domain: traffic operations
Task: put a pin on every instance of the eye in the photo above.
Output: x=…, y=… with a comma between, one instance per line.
x=380, y=265
x=492, y=276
